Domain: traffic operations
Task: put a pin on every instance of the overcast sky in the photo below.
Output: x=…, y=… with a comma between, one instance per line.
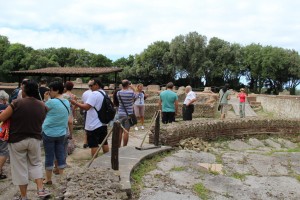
x=117, y=28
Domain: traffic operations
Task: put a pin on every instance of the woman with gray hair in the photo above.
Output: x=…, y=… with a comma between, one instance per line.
x=3, y=144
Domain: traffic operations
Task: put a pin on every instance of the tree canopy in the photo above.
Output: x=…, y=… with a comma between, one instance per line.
x=187, y=59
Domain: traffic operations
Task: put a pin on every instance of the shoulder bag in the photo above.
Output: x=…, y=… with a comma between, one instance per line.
x=131, y=118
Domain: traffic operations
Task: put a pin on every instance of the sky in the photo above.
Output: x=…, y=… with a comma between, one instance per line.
x=119, y=28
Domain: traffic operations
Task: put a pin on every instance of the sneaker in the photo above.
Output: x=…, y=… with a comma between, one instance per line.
x=142, y=127
x=136, y=128
x=43, y=193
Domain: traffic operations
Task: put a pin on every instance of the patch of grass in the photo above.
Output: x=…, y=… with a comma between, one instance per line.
x=219, y=159
x=144, y=167
x=178, y=169
x=297, y=149
x=239, y=176
x=297, y=177
x=201, y=191
x=213, y=172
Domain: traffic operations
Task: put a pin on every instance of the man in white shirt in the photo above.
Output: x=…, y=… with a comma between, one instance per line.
x=84, y=98
x=188, y=106
x=96, y=130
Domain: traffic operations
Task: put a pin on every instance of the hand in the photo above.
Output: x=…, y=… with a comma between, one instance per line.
x=46, y=95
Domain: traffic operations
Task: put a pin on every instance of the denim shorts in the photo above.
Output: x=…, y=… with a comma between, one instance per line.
x=3, y=148
x=54, y=148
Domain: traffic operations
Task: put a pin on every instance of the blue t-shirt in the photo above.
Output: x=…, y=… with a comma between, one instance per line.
x=56, y=122
x=168, y=99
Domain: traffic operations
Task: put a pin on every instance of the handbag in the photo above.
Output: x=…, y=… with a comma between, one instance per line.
x=131, y=117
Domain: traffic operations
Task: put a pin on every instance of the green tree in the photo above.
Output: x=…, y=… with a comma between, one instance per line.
x=252, y=61
x=188, y=55
x=4, y=45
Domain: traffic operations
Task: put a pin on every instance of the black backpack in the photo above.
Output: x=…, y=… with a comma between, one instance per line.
x=14, y=95
x=107, y=111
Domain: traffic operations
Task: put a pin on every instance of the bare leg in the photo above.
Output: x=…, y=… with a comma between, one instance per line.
x=48, y=175
x=126, y=137
x=39, y=183
x=23, y=190
x=2, y=161
x=94, y=150
x=142, y=120
x=105, y=148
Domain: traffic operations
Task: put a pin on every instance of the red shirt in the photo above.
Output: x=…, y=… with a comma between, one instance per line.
x=242, y=97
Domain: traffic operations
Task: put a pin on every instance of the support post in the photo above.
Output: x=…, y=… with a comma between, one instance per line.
x=156, y=130
x=115, y=146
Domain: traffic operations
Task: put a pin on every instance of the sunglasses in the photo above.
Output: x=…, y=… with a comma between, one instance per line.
x=91, y=85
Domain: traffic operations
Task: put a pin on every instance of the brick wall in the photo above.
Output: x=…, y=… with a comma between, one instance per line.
x=212, y=129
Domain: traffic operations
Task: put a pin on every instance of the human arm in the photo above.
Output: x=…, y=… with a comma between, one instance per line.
x=159, y=104
x=83, y=106
x=6, y=114
x=176, y=107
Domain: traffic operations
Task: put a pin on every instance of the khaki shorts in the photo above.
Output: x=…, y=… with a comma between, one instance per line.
x=25, y=161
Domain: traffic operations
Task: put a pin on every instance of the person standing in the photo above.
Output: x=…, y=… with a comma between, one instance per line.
x=168, y=103
x=55, y=129
x=84, y=98
x=242, y=96
x=96, y=130
x=43, y=88
x=224, y=97
x=3, y=144
x=27, y=115
x=188, y=104
x=125, y=97
x=139, y=105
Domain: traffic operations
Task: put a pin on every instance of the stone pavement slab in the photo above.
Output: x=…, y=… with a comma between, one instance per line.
x=129, y=158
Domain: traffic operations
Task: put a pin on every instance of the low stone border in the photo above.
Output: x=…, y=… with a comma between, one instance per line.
x=212, y=129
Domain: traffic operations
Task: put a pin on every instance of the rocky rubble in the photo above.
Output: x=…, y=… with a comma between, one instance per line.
x=94, y=183
x=195, y=144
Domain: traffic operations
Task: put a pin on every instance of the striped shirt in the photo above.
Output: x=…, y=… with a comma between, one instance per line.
x=127, y=99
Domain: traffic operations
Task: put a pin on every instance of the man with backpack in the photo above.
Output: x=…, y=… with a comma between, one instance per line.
x=96, y=130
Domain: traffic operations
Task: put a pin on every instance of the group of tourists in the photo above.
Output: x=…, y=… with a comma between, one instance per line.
x=224, y=96
x=46, y=113
x=39, y=113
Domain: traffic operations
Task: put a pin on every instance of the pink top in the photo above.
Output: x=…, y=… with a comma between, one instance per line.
x=242, y=97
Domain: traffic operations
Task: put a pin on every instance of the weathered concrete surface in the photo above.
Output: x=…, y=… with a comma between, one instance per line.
x=252, y=170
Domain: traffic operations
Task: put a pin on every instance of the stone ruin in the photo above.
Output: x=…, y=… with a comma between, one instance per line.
x=212, y=129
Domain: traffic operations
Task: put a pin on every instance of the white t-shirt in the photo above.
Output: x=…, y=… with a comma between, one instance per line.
x=85, y=95
x=94, y=99
x=189, y=97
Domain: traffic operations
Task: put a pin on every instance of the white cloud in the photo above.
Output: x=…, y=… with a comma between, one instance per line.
x=119, y=28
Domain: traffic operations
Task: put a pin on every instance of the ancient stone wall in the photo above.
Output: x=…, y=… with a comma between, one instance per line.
x=282, y=106
x=212, y=129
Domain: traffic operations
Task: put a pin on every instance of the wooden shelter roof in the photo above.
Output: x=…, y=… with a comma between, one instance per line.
x=68, y=71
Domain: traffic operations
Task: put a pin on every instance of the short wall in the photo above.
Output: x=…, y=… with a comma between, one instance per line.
x=209, y=129
x=201, y=110
x=281, y=106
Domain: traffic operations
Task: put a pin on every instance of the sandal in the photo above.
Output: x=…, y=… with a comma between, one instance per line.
x=47, y=182
x=43, y=193
x=19, y=198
